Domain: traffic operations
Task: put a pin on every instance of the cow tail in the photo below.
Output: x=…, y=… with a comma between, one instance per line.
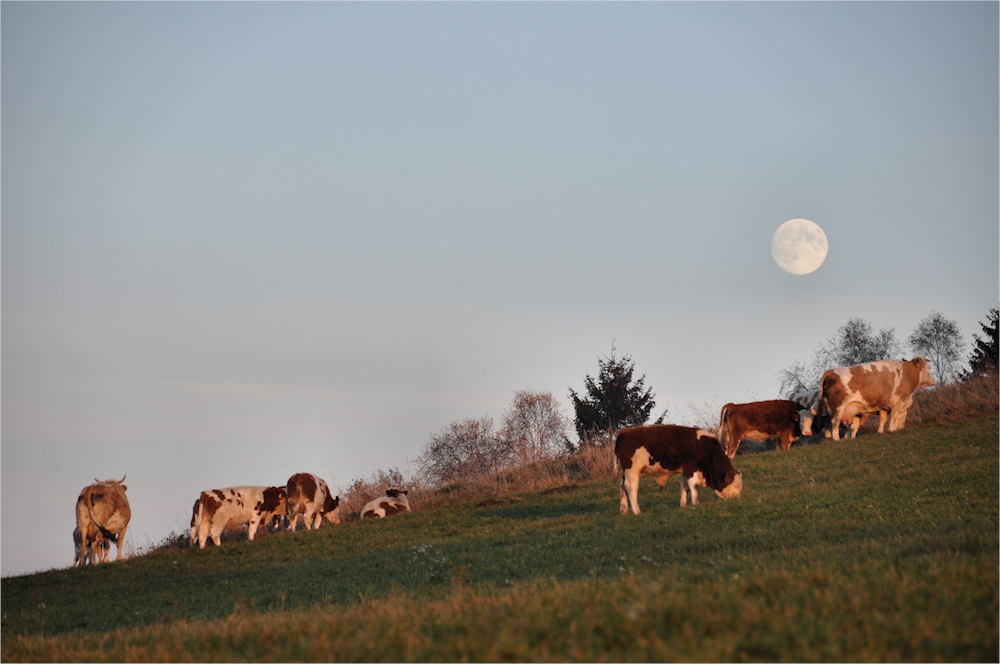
x=723, y=429
x=196, y=514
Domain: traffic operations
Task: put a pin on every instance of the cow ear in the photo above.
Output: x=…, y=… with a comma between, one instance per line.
x=795, y=416
x=124, y=488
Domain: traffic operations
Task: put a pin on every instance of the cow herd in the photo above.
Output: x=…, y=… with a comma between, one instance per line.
x=103, y=513
x=845, y=398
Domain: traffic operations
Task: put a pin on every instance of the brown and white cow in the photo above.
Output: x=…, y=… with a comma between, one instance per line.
x=220, y=508
x=310, y=497
x=819, y=419
x=885, y=386
x=393, y=503
x=759, y=421
x=664, y=450
x=102, y=516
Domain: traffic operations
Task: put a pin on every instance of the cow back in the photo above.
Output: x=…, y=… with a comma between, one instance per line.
x=108, y=506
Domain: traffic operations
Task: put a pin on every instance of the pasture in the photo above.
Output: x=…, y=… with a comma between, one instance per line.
x=881, y=548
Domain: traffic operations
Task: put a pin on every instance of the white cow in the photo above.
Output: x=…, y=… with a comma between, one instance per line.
x=394, y=503
x=310, y=497
x=235, y=506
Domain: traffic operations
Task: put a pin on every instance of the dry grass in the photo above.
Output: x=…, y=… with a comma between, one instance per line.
x=975, y=397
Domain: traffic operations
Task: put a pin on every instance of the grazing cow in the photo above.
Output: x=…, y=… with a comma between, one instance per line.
x=216, y=509
x=885, y=386
x=819, y=419
x=309, y=496
x=759, y=421
x=394, y=503
x=663, y=450
x=102, y=516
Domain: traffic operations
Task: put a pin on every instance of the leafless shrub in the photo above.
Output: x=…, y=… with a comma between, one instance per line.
x=534, y=428
x=463, y=451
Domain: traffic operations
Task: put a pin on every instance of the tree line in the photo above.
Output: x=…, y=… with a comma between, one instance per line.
x=534, y=428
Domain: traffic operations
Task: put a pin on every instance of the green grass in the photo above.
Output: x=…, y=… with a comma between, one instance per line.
x=883, y=548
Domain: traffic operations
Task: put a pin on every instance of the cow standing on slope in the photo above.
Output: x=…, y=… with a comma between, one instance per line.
x=310, y=497
x=885, y=386
x=665, y=450
x=102, y=516
x=759, y=421
x=235, y=506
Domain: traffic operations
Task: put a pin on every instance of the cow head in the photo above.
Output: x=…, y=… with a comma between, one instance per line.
x=733, y=485
x=806, y=416
x=924, y=367
x=332, y=510
x=116, y=482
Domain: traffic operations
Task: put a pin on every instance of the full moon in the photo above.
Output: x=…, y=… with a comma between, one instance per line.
x=799, y=246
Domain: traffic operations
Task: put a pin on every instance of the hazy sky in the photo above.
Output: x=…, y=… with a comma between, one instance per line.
x=245, y=240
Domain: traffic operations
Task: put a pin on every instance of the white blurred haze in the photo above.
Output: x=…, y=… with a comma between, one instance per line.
x=244, y=240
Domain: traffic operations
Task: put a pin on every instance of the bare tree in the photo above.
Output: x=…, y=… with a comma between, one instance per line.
x=854, y=343
x=940, y=341
x=534, y=428
x=463, y=450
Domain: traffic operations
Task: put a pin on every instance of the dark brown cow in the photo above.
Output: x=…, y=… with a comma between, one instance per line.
x=759, y=421
x=310, y=497
x=883, y=386
x=664, y=450
x=394, y=503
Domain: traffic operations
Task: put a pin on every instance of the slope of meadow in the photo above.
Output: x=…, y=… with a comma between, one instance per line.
x=883, y=548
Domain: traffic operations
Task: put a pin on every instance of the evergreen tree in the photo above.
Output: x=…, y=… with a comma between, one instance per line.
x=984, y=352
x=613, y=401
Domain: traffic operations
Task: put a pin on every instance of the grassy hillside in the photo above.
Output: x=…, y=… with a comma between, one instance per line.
x=883, y=548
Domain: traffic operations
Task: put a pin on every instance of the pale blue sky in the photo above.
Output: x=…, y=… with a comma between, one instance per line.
x=244, y=240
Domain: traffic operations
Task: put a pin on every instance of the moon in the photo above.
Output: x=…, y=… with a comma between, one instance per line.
x=799, y=246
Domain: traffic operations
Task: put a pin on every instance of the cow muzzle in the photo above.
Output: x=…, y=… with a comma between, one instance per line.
x=733, y=489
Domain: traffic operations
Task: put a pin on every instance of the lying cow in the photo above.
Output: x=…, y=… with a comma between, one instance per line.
x=216, y=509
x=759, y=421
x=663, y=450
x=102, y=516
x=310, y=497
x=885, y=386
x=394, y=503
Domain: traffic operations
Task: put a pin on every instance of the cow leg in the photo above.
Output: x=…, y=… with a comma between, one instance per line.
x=119, y=543
x=630, y=491
x=692, y=486
x=253, y=525
x=881, y=421
x=216, y=532
x=836, y=417
x=317, y=520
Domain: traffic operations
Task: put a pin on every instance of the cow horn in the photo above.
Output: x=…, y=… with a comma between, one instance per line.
x=123, y=478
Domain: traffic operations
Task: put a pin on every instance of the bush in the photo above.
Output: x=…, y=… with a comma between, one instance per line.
x=974, y=397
